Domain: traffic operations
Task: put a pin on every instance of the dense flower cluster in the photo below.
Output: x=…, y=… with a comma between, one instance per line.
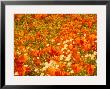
x=55, y=44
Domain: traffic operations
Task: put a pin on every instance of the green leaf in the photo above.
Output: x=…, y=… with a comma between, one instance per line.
x=81, y=52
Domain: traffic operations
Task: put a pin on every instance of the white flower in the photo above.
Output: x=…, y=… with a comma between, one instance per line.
x=89, y=55
x=52, y=40
x=71, y=71
x=65, y=46
x=84, y=34
x=95, y=53
x=68, y=57
x=62, y=49
x=25, y=54
x=37, y=57
x=65, y=41
x=28, y=47
x=41, y=74
x=73, y=42
x=58, y=43
x=36, y=70
x=25, y=65
x=16, y=73
x=92, y=57
x=61, y=57
x=68, y=50
x=86, y=55
x=71, y=39
x=69, y=64
x=57, y=66
x=47, y=45
x=44, y=68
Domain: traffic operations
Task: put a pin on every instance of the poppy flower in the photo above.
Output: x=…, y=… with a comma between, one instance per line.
x=90, y=69
x=51, y=71
x=20, y=59
x=20, y=69
x=37, y=62
x=76, y=68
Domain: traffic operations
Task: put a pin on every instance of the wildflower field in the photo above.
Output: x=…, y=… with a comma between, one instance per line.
x=55, y=45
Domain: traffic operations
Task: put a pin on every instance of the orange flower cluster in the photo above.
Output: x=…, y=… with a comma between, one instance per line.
x=55, y=45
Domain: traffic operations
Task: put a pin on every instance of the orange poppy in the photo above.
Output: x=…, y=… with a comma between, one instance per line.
x=76, y=68
x=90, y=69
